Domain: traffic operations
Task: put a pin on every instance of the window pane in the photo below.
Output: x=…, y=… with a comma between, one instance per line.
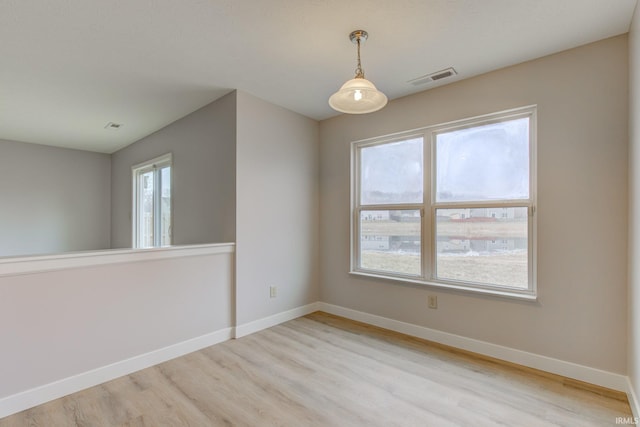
x=488, y=162
x=483, y=245
x=165, y=206
x=392, y=173
x=145, y=226
x=390, y=241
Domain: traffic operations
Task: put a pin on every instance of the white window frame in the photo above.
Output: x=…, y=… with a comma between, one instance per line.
x=429, y=206
x=154, y=164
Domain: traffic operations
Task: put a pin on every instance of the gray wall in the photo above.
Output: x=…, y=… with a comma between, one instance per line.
x=580, y=316
x=203, y=147
x=277, y=209
x=85, y=325
x=634, y=209
x=53, y=199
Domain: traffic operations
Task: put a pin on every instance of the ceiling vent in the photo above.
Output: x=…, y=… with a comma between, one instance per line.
x=433, y=77
x=112, y=125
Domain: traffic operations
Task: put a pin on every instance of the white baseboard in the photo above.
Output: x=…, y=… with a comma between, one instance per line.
x=45, y=393
x=531, y=360
x=633, y=400
x=276, y=319
x=30, y=398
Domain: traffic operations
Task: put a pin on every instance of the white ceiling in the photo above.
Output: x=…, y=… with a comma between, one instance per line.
x=68, y=67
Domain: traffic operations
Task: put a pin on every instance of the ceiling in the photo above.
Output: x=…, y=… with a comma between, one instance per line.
x=68, y=67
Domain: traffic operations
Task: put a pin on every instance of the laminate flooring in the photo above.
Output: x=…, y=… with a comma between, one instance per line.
x=322, y=370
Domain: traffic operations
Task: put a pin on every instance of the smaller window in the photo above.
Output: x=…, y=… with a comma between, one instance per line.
x=152, y=203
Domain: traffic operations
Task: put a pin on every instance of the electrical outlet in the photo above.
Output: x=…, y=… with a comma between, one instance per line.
x=273, y=291
x=432, y=301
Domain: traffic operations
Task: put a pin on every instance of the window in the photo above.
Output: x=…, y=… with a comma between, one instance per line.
x=152, y=203
x=449, y=205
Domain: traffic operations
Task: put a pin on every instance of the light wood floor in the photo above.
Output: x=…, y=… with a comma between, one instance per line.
x=322, y=370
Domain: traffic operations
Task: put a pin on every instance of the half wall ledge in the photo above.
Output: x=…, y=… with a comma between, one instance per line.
x=13, y=266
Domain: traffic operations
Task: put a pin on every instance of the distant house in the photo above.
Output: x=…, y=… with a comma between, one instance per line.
x=376, y=216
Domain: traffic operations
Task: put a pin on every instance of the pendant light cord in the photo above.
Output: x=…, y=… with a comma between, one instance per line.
x=359, y=70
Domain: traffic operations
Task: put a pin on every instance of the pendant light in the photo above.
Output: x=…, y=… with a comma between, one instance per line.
x=358, y=95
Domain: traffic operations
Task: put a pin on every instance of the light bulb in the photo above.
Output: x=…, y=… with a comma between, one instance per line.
x=357, y=96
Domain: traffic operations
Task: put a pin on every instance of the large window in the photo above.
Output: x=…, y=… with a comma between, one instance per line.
x=449, y=205
x=152, y=203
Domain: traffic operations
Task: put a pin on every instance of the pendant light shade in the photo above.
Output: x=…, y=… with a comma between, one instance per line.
x=358, y=95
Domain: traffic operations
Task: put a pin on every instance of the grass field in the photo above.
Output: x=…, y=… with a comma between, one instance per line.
x=506, y=269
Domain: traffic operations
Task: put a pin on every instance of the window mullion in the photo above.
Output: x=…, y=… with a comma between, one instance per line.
x=428, y=220
x=397, y=207
x=484, y=204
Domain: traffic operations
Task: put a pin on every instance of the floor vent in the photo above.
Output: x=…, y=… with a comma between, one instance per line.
x=438, y=75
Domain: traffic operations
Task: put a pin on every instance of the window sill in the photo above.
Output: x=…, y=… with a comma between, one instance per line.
x=521, y=296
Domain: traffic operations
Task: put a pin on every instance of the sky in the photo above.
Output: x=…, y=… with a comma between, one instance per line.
x=480, y=163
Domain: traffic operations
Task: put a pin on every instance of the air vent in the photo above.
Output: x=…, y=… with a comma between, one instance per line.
x=112, y=125
x=438, y=75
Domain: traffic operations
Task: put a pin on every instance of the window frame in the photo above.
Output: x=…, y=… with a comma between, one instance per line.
x=156, y=164
x=429, y=205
